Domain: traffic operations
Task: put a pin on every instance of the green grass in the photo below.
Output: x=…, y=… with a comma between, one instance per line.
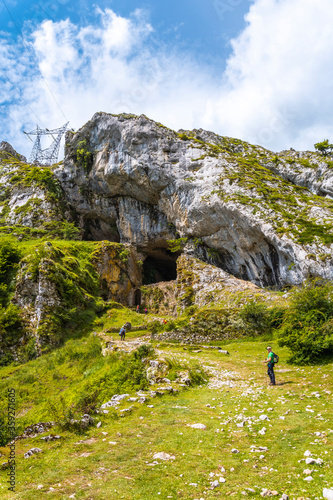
x=123, y=470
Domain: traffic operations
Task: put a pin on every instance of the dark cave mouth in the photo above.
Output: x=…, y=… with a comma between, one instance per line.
x=159, y=269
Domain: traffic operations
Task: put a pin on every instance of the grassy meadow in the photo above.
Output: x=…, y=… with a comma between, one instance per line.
x=116, y=459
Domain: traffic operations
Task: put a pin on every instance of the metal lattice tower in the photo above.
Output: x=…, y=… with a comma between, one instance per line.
x=49, y=155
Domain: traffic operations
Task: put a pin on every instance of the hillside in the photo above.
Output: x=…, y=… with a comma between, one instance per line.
x=145, y=446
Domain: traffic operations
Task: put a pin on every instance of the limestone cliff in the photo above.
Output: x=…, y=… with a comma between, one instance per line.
x=257, y=215
x=260, y=216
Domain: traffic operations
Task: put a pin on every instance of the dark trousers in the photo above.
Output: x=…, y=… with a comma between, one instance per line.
x=270, y=372
x=122, y=336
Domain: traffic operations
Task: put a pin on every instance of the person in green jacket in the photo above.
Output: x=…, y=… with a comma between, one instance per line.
x=270, y=365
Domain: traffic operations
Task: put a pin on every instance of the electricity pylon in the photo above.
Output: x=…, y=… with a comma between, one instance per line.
x=49, y=155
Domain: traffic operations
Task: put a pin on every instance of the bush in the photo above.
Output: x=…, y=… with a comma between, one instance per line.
x=260, y=319
x=10, y=256
x=256, y=317
x=11, y=325
x=308, y=325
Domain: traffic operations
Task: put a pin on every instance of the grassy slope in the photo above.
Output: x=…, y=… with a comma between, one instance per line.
x=123, y=470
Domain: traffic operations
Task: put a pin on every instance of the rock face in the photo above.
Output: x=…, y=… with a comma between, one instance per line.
x=242, y=208
x=197, y=284
x=256, y=215
x=31, y=199
x=56, y=284
x=7, y=151
x=119, y=272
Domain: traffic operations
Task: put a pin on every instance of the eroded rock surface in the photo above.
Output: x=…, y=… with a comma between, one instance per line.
x=239, y=207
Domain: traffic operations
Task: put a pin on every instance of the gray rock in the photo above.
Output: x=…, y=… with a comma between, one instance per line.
x=328, y=494
x=31, y=452
x=149, y=183
x=51, y=437
x=163, y=456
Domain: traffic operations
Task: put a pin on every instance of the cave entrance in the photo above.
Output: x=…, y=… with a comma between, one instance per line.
x=137, y=297
x=156, y=269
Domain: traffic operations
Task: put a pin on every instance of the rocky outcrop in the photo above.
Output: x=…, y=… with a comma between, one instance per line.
x=31, y=199
x=7, y=151
x=197, y=284
x=120, y=272
x=58, y=284
x=201, y=284
x=239, y=206
x=260, y=216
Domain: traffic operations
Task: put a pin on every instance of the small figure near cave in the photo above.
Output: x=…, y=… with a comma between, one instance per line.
x=122, y=333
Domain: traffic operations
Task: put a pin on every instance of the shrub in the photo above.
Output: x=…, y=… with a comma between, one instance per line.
x=11, y=325
x=308, y=325
x=84, y=157
x=255, y=315
x=10, y=256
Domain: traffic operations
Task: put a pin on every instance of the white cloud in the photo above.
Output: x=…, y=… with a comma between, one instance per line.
x=276, y=89
x=279, y=78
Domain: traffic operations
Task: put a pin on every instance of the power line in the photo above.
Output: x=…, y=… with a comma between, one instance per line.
x=10, y=118
x=34, y=58
x=23, y=99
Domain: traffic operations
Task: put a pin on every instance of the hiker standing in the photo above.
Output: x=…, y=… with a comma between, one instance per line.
x=270, y=365
x=122, y=333
x=146, y=311
x=137, y=308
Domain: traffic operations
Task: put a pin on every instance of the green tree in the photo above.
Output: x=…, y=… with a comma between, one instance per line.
x=324, y=147
x=307, y=328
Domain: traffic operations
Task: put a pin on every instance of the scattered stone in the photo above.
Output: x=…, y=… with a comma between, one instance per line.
x=51, y=437
x=307, y=471
x=31, y=452
x=215, y=484
x=198, y=426
x=263, y=431
x=307, y=453
x=99, y=425
x=308, y=478
x=40, y=487
x=328, y=494
x=163, y=456
x=263, y=417
x=33, y=430
x=234, y=450
x=267, y=493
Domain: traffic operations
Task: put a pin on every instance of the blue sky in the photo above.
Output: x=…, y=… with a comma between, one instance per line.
x=259, y=70
x=204, y=27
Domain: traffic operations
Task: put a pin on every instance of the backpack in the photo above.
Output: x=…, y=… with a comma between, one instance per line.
x=276, y=358
x=122, y=331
